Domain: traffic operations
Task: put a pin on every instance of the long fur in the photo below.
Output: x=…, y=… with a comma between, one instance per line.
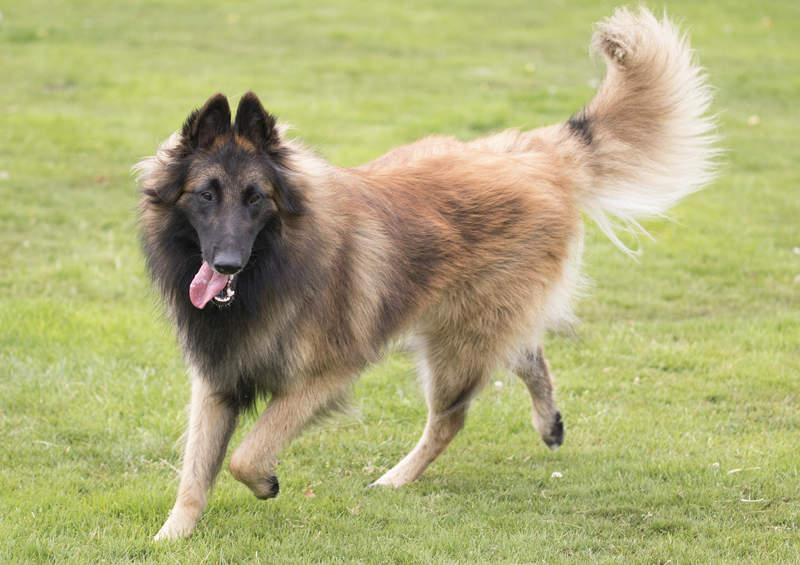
x=471, y=248
x=648, y=140
x=384, y=246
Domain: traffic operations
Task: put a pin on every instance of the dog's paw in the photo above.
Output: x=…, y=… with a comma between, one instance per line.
x=555, y=435
x=393, y=478
x=176, y=527
x=382, y=482
x=265, y=488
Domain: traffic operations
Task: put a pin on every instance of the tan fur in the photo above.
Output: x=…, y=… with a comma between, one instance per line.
x=211, y=424
x=471, y=248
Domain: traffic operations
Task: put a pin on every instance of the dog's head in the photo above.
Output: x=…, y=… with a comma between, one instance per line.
x=229, y=182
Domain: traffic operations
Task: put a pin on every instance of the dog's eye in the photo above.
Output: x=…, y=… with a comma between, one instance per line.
x=253, y=199
x=207, y=195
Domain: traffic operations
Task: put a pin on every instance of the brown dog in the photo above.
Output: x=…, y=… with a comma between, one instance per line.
x=286, y=275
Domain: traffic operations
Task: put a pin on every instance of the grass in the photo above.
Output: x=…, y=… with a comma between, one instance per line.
x=681, y=392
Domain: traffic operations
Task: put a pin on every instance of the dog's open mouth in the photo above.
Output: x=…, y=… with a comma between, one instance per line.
x=224, y=296
x=209, y=285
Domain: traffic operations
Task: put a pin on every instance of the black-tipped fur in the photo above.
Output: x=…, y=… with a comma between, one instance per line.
x=273, y=274
x=272, y=490
x=215, y=336
x=556, y=436
x=580, y=126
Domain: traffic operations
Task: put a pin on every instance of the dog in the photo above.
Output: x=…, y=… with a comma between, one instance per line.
x=285, y=275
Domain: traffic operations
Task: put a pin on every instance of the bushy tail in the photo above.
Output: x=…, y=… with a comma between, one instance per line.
x=644, y=140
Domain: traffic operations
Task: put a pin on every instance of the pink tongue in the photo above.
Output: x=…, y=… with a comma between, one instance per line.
x=206, y=284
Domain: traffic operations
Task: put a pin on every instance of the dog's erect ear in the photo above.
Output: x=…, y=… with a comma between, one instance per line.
x=255, y=124
x=208, y=123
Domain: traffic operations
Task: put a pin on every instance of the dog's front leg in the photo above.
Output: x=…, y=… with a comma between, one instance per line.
x=282, y=420
x=211, y=423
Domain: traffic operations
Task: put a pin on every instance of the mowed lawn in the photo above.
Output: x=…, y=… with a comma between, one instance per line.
x=680, y=388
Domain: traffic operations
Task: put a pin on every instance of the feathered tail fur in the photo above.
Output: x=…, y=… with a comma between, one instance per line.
x=644, y=141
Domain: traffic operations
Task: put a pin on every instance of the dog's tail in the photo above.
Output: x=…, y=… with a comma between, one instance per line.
x=644, y=141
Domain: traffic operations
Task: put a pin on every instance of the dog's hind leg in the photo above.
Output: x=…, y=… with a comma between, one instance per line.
x=287, y=413
x=449, y=389
x=211, y=423
x=532, y=368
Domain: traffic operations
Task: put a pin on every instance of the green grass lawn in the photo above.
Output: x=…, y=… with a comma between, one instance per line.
x=680, y=391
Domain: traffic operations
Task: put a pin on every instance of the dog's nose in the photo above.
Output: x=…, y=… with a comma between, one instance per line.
x=227, y=262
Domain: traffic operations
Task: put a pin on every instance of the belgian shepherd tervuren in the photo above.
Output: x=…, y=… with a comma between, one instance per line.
x=285, y=275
